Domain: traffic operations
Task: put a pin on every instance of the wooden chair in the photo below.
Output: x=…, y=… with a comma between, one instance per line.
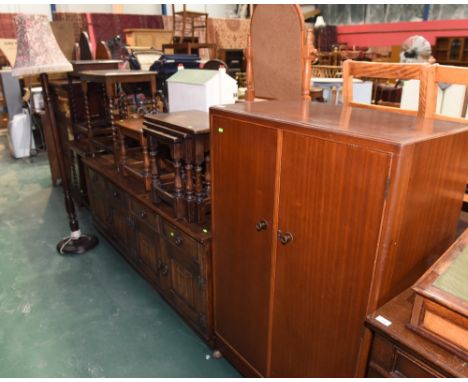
x=353, y=69
x=278, y=54
x=103, y=52
x=86, y=52
x=189, y=22
x=450, y=75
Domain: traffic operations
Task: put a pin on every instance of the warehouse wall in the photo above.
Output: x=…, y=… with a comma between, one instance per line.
x=213, y=10
x=347, y=14
x=395, y=33
x=43, y=9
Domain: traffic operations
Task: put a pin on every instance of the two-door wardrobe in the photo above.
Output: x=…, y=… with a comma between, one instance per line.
x=321, y=214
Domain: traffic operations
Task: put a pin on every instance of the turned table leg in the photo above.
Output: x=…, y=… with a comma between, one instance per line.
x=110, y=91
x=123, y=152
x=155, y=181
x=207, y=176
x=189, y=197
x=84, y=88
x=146, y=163
x=178, y=193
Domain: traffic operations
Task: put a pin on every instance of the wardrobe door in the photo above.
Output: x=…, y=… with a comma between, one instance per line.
x=330, y=210
x=244, y=165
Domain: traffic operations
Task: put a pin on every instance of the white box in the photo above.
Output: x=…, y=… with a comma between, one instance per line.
x=198, y=89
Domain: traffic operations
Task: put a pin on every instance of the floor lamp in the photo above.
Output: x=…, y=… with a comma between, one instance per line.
x=38, y=53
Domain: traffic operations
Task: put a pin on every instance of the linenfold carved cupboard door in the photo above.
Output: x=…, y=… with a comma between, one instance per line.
x=331, y=202
x=245, y=167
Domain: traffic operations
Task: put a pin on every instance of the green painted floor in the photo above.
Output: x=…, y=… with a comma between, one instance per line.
x=85, y=316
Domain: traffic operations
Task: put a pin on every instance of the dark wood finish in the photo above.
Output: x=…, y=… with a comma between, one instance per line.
x=102, y=133
x=51, y=151
x=234, y=59
x=186, y=136
x=86, y=52
x=451, y=50
x=360, y=203
x=69, y=109
x=173, y=256
x=102, y=51
x=191, y=47
x=397, y=351
x=139, y=168
x=82, y=65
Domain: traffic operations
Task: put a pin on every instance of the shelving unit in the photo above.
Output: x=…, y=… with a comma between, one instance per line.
x=451, y=50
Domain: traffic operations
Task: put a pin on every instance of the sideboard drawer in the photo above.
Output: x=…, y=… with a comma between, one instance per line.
x=117, y=197
x=143, y=213
x=408, y=366
x=179, y=239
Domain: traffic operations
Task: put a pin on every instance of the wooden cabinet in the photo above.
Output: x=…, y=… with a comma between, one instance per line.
x=245, y=197
x=98, y=198
x=176, y=262
x=397, y=351
x=154, y=38
x=320, y=216
x=335, y=231
x=451, y=50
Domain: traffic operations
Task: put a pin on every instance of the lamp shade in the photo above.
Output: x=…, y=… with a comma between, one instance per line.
x=38, y=50
x=320, y=22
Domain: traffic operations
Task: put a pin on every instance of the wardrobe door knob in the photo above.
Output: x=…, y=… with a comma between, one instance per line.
x=285, y=238
x=261, y=225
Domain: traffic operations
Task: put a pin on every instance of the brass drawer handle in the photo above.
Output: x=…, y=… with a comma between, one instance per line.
x=162, y=268
x=143, y=214
x=285, y=238
x=178, y=241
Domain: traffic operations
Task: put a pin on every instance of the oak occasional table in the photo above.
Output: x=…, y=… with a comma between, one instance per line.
x=133, y=128
x=110, y=79
x=186, y=134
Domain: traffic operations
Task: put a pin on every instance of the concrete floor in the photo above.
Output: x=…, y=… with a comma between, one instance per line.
x=85, y=316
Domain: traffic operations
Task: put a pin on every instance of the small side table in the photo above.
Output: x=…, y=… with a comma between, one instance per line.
x=133, y=128
x=186, y=134
x=110, y=79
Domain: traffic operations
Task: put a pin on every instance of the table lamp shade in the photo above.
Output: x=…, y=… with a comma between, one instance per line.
x=38, y=50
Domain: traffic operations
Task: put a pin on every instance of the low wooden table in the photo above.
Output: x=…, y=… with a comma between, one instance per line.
x=186, y=134
x=133, y=128
x=109, y=80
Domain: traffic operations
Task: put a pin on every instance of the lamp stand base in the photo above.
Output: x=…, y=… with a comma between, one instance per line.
x=76, y=244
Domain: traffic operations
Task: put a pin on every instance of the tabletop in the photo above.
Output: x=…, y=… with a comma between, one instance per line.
x=116, y=75
x=132, y=124
x=192, y=121
x=377, y=125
